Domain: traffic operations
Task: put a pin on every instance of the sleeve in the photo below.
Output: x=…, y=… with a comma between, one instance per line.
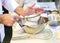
x=10, y=5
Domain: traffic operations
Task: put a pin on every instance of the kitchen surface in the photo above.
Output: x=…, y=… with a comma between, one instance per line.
x=46, y=36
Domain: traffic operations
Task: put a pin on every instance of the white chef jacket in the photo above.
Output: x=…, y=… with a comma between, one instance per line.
x=9, y=5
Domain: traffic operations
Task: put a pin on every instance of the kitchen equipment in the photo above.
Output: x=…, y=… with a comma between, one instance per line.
x=30, y=18
x=57, y=32
x=54, y=18
x=32, y=27
x=53, y=15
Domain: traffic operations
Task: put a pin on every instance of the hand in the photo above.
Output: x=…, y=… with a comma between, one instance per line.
x=37, y=10
x=8, y=19
x=29, y=10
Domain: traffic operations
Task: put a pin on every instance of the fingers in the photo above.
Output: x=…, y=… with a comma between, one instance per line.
x=8, y=19
x=32, y=6
x=16, y=18
x=30, y=10
x=39, y=10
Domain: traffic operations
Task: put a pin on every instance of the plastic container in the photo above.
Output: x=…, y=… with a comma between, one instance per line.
x=57, y=33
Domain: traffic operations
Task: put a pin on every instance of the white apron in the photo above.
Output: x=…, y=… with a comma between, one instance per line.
x=1, y=25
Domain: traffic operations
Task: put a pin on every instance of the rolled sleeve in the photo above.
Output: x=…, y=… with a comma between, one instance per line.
x=10, y=5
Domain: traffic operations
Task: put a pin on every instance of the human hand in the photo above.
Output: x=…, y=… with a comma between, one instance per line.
x=29, y=10
x=37, y=10
x=8, y=19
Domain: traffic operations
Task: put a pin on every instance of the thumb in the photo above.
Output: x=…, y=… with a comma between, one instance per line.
x=17, y=18
x=32, y=5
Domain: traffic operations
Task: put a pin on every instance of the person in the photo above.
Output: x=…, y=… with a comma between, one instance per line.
x=8, y=19
x=7, y=29
x=34, y=19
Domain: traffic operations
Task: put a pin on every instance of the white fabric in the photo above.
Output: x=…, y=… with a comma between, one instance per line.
x=2, y=32
x=11, y=6
x=29, y=2
x=1, y=25
x=0, y=7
